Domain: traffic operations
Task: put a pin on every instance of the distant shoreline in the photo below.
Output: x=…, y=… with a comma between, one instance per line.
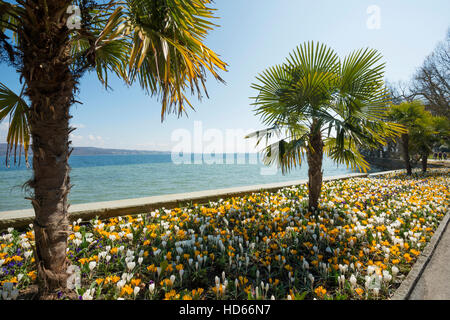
x=94, y=151
x=91, y=151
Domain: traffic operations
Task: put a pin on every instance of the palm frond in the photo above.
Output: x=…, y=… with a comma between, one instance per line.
x=285, y=153
x=14, y=107
x=168, y=54
x=346, y=153
x=9, y=22
x=157, y=43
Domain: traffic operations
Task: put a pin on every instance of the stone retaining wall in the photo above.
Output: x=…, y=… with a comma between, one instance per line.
x=108, y=209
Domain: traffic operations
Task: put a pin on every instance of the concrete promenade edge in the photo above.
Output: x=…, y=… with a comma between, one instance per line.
x=109, y=209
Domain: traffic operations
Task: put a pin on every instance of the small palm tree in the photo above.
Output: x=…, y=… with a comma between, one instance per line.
x=315, y=103
x=419, y=125
x=442, y=127
x=423, y=130
x=158, y=44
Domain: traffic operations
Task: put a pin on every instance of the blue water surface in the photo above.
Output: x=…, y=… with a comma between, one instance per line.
x=113, y=177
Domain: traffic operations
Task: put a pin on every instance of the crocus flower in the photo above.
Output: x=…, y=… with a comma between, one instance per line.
x=131, y=265
x=92, y=265
x=151, y=287
x=353, y=280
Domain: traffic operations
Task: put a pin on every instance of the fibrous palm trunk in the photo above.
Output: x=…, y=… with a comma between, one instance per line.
x=424, y=162
x=314, y=156
x=405, y=147
x=44, y=42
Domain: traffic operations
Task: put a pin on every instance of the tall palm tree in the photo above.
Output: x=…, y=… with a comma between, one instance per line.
x=315, y=103
x=157, y=43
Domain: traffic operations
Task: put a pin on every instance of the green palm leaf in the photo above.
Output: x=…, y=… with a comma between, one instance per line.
x=16, y=108
x=168, y=55
x=157, y=43
x=347, y=154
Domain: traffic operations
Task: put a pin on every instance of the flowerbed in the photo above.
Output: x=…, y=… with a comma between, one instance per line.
x=363, y=242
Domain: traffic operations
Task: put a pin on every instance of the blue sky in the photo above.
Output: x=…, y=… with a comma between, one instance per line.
x=253, y=35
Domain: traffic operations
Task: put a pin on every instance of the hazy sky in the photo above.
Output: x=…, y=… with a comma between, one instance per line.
x=253, y=35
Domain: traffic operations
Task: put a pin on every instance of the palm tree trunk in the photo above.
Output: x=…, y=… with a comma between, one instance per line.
x=314, y=157
x=50, y=88
x=405, y=147
x=424, y=162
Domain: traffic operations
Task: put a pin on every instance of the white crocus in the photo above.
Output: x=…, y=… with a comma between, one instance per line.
x=131, y=265
x=92, y=265
x=311, y=279
x=88, y=295
x=353, y=280
x=394, y=271
x=121, y=283
x=376, y=291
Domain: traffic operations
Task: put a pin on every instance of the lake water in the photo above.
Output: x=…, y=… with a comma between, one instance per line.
x=114, y=177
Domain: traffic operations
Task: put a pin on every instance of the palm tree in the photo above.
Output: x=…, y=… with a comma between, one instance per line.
x=51, y=44
x=442, y=127
x=425, y=132
x=315, y=103
x=418, y=123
